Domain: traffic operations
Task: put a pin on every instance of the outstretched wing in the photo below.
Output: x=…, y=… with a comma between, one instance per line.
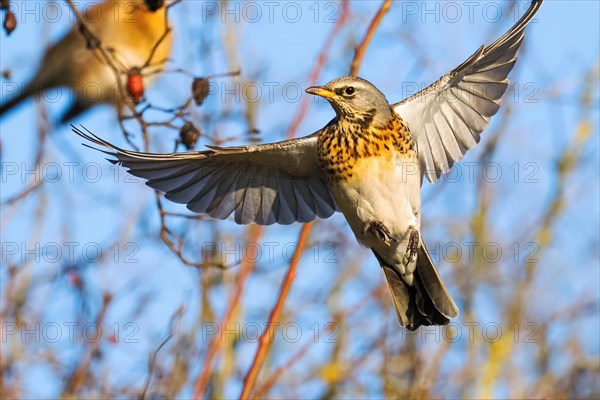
x=446, y=118
x=278, y=182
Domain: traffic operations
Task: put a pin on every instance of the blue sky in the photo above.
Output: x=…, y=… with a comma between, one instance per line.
x=560, y=48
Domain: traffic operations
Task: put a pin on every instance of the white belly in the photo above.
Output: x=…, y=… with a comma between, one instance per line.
x=386, y=189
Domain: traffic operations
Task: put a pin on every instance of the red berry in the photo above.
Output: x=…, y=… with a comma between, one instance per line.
x=74, y=279
x=10, y=22
x=135, y=84
x=112, y=339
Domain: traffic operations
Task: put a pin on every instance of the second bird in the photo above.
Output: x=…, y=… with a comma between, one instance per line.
x=129, y=30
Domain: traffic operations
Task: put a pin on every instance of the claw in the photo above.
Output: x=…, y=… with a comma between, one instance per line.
x=377, y=228
x=413, y=245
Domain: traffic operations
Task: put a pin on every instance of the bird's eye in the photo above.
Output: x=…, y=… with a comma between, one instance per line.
x=349, y=91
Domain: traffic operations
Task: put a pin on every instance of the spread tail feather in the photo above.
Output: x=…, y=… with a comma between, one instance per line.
x=426, y=302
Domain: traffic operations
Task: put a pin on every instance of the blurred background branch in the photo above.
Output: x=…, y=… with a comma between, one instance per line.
x=110, y=291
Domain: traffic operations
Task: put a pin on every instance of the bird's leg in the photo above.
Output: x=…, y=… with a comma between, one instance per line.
x=413, y=245
x=377, y=228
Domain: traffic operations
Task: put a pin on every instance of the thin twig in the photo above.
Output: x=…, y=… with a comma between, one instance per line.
x=177, y=248
x=265, y=338
x=152, y=360
x=274, y=377
x=80, y=373
x=24, y=193
x=38, y=182
x=361, y=49
x=164, y=35
x=152, y=364
x=248, y=263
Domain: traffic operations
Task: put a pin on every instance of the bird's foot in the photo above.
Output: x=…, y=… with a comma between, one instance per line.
x=377, y=228
x=413, y=245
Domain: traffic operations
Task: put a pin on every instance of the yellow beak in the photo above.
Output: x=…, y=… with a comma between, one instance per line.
x=320, y=91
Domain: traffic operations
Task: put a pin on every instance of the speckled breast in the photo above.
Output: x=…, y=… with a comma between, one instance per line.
x=342, y=144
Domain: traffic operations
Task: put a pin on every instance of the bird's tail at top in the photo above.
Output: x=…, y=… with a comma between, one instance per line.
x=427, y=301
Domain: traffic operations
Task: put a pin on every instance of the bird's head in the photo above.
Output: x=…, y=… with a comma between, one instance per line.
x=355, y=100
